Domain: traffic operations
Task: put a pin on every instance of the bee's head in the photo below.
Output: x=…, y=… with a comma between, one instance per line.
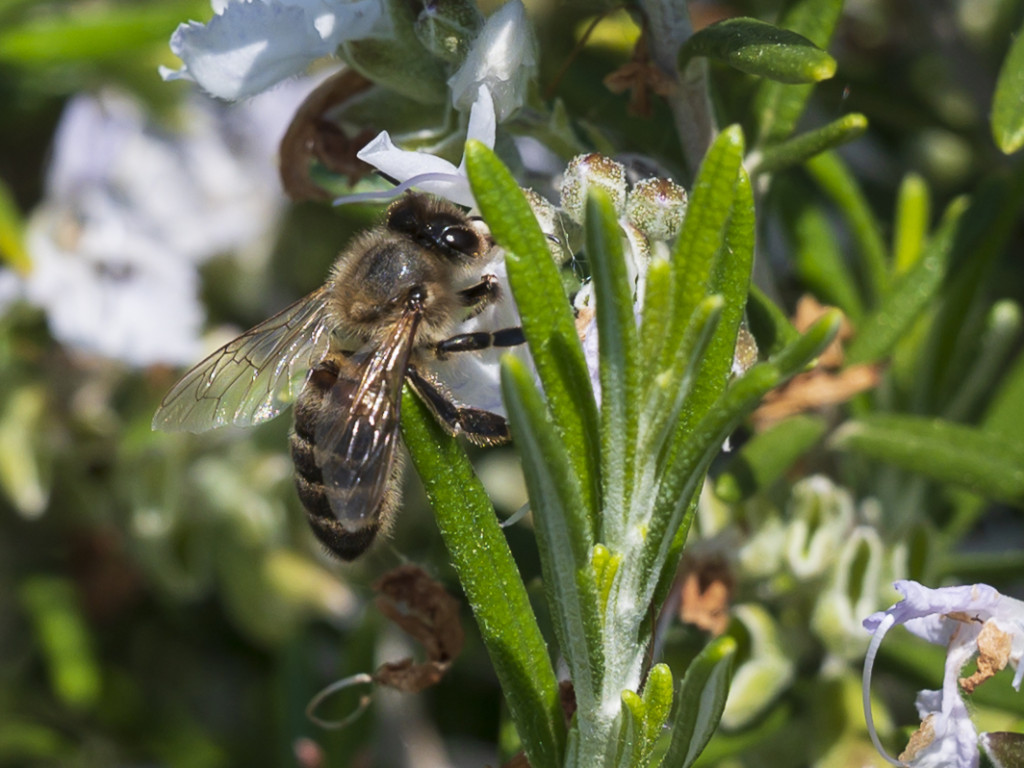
x=437, y=225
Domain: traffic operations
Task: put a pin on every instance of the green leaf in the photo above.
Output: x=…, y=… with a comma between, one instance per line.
x=565, y=536
x=1004, y=748
x=657, y=311
x=700, y=240
x=768, y=323
x=546, y=314
x=816, y=255
x=835, y=179
x=657, y=698
x=64, y=640
x=1005, y=413
x=981, y=240
x=702, y=696
x=913, y=212
x=643, y=719
x=92, y=32
x=767, y=456
x=912, y=293
x=779, y=106
x=491, y=582
x=760, y=49
x=618, y=349
x=795, y=357
x=948, y=453
x=689, y=456
x=1008, y=102
x=994, y=348
x=12, y=232
x=805, y=146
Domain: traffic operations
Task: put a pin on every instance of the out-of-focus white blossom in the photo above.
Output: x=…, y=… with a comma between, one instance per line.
x=503, y=57
x=970, y=621
x=131, y=209
x=250, y=46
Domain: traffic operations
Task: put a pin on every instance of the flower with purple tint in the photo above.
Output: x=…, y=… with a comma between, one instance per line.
x=971, y=621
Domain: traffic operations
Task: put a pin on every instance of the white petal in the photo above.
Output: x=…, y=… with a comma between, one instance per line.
x=247, y=49
x=503, y=57
x=482, y=118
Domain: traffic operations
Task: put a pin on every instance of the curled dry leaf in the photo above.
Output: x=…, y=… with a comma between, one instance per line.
x=828, y=384
x=641, y=76
x=428, y=614
x=312, y=136
x=706, y=593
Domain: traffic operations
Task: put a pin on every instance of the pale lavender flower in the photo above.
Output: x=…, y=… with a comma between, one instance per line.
x=970, y=621
x=251, y=45
x=130, y=211
x=423, y=170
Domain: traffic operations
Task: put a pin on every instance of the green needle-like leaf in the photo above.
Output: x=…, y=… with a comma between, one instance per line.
x=565, y=536
x=779, y=106
x=943, y=451
x=768, y=323
x=12, y=232
x=835, y=179
x=618, y=348
x=546, y=313
x=1008, y=102
x=700, y=241
x=805, y=146
x=880, y=330
x=761, y=49
x=767, y=456
x=702, y=695
x=492, y=584
x=816, y=255
x=913, y=212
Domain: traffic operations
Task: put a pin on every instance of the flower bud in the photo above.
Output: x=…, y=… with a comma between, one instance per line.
x=657, y=208
x=503, y=57
x=852, y=594
x=447, y=28
x=589, y=171
x=821, y=515
x=764, y=675
x=399, y=62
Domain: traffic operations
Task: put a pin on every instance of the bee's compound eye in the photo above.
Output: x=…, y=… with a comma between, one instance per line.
x=461, y=239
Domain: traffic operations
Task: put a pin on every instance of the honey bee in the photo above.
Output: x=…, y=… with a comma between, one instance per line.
x=385, y=316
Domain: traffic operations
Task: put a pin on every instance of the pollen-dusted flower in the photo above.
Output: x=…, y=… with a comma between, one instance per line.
x=972, y=622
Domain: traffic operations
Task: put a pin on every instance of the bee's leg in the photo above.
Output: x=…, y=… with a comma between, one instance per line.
x=470, y=342
x=479, y=426
x=478, y=297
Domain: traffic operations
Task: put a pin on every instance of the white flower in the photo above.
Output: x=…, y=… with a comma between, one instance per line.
x=970, y=621
x=503, y=58
x=423, y=170
x=130, y=210
x=251, y=45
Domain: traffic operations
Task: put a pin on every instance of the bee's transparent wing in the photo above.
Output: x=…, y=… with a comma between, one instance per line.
x=254, y=377
x=356, y=453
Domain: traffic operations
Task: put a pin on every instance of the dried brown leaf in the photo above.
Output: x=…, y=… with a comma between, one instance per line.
x=311, y=136
x=428, y=614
